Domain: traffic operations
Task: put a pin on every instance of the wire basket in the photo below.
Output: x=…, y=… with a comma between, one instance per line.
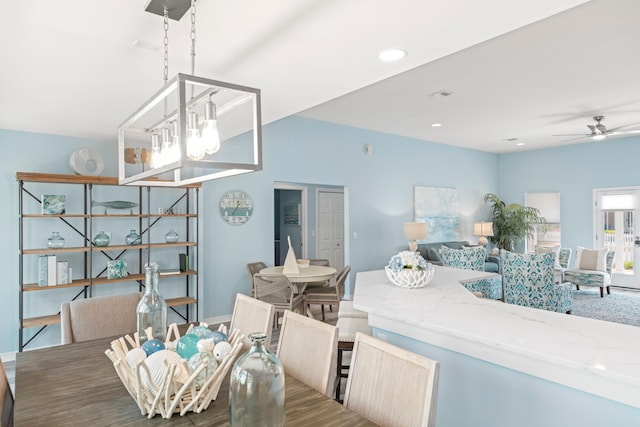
x=176, y=388
x=408, y=278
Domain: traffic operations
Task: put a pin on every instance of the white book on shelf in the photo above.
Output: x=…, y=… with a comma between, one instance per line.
x=62, y=272
x=51, y=270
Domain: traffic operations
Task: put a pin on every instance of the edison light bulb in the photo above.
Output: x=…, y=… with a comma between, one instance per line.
x=155, y=160
x=195, y=147
x=210, y=135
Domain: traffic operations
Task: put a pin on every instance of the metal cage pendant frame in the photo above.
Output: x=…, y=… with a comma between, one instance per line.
x=239, y=122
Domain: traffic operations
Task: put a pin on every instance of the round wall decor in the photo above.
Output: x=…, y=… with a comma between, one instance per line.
x=236, y=207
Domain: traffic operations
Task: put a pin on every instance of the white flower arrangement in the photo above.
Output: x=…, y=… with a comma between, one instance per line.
x=407, y=260
x=408, y=269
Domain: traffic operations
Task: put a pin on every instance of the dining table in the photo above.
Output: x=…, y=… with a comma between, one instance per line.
x=77, y=385
x=305, y=275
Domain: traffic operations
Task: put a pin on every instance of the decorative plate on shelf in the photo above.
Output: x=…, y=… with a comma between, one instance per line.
x=236, y=207
x=86, y=162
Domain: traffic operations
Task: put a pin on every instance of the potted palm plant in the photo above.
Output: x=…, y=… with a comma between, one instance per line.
x=512, y=223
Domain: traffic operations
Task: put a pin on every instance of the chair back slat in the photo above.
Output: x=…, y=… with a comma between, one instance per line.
x=308, y=349
x=391, y=386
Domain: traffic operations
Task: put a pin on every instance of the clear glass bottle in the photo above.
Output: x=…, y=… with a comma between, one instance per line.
x=256, y=393
x=152, y=308
x=56, y=241
x=101, y=239
x=171, y=236
x=133, y=238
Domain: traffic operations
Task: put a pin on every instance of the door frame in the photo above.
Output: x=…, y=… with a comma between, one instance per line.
x=342, y=191
x=619, y=279
x=303, y=211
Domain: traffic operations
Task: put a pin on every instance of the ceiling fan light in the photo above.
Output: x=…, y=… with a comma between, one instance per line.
x=599, y=137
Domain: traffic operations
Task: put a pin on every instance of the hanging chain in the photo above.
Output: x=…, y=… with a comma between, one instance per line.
x=166, y=45
x=193, y=37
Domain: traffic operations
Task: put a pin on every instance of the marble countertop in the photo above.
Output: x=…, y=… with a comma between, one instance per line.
x=598, y=357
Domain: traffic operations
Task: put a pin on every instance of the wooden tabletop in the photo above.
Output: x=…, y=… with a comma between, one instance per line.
x=76, y=384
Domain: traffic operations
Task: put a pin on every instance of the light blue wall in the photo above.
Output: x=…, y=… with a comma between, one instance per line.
x=378, y=199
x=575, y=171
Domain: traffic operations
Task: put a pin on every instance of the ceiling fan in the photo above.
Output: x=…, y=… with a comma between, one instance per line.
x=599, y=131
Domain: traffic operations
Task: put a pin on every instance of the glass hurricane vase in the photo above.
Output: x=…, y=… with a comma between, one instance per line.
x=256, y=393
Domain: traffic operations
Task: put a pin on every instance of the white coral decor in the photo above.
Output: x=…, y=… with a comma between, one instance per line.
x=409, y=270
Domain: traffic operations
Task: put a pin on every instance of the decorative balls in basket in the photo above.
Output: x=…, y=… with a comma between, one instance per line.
x=176, y=375
x=409, y=270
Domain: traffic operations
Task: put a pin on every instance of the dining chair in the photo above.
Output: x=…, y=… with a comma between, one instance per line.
x=307, y=349
x=253, y=268
x=6, y=398
x=252, y=315
x=278, y=291
x=99, y=317
x=328, y=295
x=391, y=386
x=321, y=262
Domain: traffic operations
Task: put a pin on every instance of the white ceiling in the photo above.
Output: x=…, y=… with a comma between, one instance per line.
x=523, y=69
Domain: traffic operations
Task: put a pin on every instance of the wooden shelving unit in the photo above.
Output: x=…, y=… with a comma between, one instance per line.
x=90, y=278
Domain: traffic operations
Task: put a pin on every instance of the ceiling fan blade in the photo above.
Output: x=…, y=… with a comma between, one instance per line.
x=624, y=132
x=573, y=134
x=592, y=128
x=575, y=139
x=624, y=126
x=602, y=128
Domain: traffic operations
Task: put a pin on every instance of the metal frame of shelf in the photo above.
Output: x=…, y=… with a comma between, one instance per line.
x=188, y=302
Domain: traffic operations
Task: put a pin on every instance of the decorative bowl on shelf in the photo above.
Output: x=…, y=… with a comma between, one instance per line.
x=408, y=269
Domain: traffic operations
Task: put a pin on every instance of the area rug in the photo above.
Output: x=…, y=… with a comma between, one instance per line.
x=617, y=307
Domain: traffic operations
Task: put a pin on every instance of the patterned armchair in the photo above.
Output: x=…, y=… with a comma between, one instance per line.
x=473, y=258
x=528, y=281
x=602, y=279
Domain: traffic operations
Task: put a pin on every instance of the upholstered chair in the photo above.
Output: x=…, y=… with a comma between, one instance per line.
x=528, y=281
x=588, y=272
x=98, y=317
x=472, y=258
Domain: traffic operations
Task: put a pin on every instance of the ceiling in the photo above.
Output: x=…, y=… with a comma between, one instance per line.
x=517, y=69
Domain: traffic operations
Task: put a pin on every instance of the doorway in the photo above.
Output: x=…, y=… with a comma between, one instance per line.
x=290, y=221
x=313, y=217
x=616, y=215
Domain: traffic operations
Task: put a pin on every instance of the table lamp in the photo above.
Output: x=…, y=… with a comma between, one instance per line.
x=483, y=229
x=415, y=231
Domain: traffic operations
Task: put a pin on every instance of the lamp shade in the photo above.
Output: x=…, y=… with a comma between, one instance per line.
x=483, y=229
x=415, y=230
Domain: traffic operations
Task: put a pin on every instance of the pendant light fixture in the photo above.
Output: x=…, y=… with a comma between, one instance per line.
x=184, y=149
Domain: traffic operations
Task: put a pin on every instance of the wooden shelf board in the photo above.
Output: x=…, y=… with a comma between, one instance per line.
x=29, y=287
x=174, y=302
x=124, y=215
x=47, y=251
x=32, y=322
x=86, y=179
x=55, y=215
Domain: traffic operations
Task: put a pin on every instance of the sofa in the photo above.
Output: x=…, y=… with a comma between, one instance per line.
x=431, y=253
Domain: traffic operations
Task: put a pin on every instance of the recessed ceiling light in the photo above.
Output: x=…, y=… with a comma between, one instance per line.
x=392, y=55
x=441, y=94
x=436, y=125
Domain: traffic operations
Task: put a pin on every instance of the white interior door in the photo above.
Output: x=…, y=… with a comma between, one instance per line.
x=330, y=223
x=616, y=215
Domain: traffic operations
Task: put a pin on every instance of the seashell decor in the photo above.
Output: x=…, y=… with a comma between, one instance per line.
x=163, y=382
